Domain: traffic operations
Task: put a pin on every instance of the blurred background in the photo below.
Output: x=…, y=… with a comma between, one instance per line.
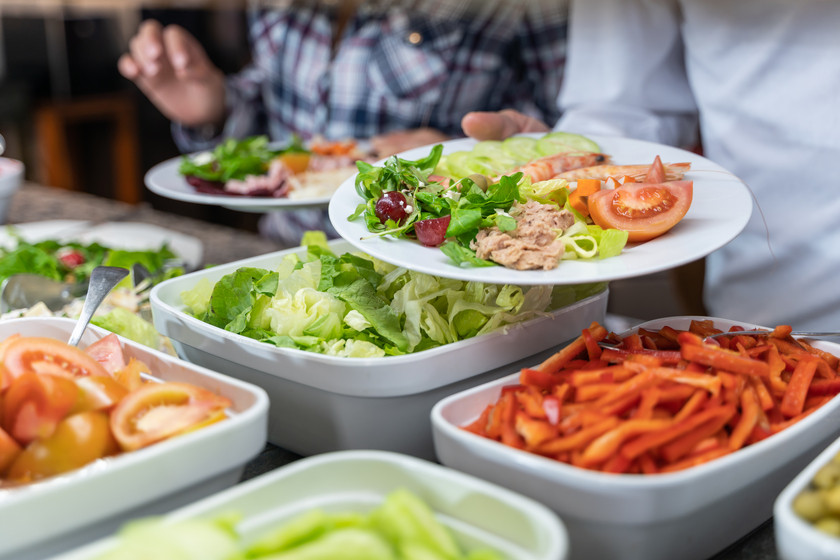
x=73, y=120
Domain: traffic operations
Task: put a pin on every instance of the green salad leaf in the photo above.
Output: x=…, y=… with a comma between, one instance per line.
x=236, y=159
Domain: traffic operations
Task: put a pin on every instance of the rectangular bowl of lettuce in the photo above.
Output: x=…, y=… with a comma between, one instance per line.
x=287, y=513
x=347, y=393
x=64, y=511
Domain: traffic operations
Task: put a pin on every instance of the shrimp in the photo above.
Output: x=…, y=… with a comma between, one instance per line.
x=673, y=172
x=548, y=167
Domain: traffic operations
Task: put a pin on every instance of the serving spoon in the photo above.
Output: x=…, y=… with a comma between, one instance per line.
x=102, y=281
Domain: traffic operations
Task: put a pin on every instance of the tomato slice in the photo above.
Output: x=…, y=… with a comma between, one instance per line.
x=78, y=440
x=109, y=352
x=35, y=404
x=48, y=355
x=98, y=393
x=157, y=411
x=644, y=210
x=131, y=376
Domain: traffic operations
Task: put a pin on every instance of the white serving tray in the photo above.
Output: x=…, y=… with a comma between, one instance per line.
x=325, y=403
x=478, y=513
x=796, y=539
x=67, y=510
x=688, y=514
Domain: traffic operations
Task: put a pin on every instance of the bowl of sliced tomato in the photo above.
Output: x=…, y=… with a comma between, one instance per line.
x=95, y=435
x=656, y=443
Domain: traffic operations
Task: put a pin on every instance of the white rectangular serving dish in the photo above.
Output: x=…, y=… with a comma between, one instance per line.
x=64, y=511
x=478, y=513
x=688, y=514
x=796, y=539
x=325, y=403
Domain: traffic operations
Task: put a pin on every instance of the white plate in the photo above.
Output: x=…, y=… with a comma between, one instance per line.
x=132, y=236
x=165, y=180
x=720, y=209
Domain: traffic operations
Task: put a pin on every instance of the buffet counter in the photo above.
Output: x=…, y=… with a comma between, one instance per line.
x=224, y=244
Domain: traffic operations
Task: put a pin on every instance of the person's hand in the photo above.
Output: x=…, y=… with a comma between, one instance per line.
x=483, y=125
x=391, y=143
x=173, y=70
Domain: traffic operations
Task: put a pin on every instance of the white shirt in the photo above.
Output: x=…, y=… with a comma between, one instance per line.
x=764, y=77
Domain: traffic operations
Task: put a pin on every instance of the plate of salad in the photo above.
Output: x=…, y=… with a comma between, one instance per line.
x=256, y=175
x=425, y=209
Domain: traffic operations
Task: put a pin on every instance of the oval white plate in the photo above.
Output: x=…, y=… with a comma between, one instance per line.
x=131, y=236
x=165, y=180
x=720, y=209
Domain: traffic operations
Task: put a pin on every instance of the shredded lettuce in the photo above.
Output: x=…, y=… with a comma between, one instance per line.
x=357, y=306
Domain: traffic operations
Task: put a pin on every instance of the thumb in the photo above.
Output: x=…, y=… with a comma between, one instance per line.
x=484, y=125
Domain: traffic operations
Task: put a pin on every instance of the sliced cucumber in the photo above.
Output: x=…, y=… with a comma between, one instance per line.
x=521, y=148
x=463, y=163
x=562, y=142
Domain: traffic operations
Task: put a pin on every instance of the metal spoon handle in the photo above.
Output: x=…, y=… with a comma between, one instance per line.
x=102, y=281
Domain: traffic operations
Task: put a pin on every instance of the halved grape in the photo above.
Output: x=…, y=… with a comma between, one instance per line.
x=432, y=232
x=392, y=205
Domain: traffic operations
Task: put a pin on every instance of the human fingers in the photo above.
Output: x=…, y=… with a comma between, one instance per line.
x=487, y=125
x=147, y=49
x=127, y=67
x=185, y=53
x=391, y=143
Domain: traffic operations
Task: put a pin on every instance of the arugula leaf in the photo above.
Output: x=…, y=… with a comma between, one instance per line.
x=236, y=159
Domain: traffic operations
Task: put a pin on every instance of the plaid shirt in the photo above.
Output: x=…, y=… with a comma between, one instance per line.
x=399, y=64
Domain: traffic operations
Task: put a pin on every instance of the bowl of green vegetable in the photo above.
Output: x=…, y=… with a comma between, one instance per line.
x=355, y=352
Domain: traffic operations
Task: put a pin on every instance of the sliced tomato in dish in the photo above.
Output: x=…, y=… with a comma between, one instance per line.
x=47, y=355
x=97, y=392
x=644, y=210
x=35, y=403
x=109, y=352
x=78, y=440
x=157, y=411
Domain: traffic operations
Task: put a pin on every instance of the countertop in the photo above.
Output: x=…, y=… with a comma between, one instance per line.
x=224, y=244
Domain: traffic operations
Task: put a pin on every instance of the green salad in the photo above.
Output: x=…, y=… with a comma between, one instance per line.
x=354, y=305
x=446, y=200
x=403, y=527
x=236, y=159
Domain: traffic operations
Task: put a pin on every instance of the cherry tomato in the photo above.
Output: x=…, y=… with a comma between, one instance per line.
x=157, y=411
x=643, y=210
x=47, y=355
x=71, y=258
x=392, y=205
x=98, y=393
x=108, y=352
x=432, y=232
x=35, y=404
x=9, y=450
x=78, y=440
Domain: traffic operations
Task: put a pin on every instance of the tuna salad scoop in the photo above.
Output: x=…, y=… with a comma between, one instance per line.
x=533, y=244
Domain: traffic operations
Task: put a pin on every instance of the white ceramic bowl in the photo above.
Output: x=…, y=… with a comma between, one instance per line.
x=796, y=539
x=67, y=510
x=688, y=514
x=324, y=403
x=477, y=512
x=11, y=178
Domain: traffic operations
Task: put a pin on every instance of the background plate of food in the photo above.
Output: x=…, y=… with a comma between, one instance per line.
x=578, y=189
x=254, y=175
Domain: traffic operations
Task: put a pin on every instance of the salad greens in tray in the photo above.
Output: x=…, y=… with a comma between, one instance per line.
x=126, y=309
x=354, y=305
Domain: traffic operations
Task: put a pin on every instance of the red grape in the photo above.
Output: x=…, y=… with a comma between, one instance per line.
x=392, y=205
x=432, y=232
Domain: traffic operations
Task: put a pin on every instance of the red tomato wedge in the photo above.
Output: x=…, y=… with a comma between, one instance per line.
x=47, y=355
x=108, y=352
x=644, y=210
x=35, y=404
x=157, y=411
